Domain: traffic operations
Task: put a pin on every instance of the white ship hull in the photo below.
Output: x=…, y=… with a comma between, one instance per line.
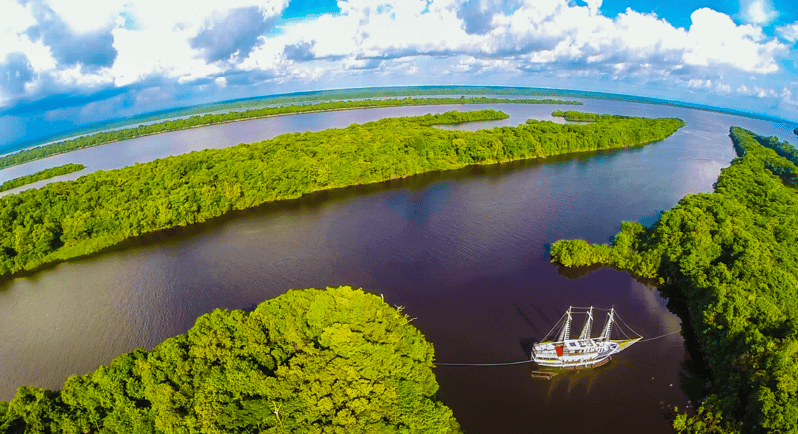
x=584, y=352
x=588, y=353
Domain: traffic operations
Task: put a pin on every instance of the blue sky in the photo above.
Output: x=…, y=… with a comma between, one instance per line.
x=67, y=63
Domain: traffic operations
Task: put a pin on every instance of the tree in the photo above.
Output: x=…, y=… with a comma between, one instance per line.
x=325, y=361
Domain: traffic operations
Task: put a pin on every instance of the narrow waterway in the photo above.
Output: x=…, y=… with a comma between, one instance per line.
x=464, y=252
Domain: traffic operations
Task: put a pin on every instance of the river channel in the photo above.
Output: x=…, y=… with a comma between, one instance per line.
x=464, y=252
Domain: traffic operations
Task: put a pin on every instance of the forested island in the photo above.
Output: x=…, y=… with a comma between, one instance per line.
x=209, y=119
x=38, y=176
x=731, y=258
x=64, y=220
x=575, y=116
x=313, y=361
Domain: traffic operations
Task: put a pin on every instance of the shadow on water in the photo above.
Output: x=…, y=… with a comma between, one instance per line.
x=694, y=374
x=527, y=344
x=526, y=318
x=574, y=273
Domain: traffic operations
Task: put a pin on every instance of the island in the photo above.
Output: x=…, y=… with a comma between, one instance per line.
x=41, y=175
x=65, y=220
x=575, y=116
x=195, y=121
x=730, y=257
x=310, y=360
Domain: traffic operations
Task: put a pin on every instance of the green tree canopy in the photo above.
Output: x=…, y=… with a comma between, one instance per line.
x=38, y=176
x=309, y=361
x=732, y=255
x=64, y=220
x=103, y=138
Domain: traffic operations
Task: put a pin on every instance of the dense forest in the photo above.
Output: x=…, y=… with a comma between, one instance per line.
x=38, y=176
x=731, y=257
x=209, y=119
x=311, y=361
x=67, y=219
x=575, y=116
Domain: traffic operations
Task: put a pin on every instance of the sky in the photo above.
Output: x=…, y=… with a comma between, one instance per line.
x=68, y=63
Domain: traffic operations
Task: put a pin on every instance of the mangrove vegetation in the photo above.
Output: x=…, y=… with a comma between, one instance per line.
x=309, y=361
x=731, y=257
x=575, y=116
x=41, y=175
x=64, y=220
x=210, y=119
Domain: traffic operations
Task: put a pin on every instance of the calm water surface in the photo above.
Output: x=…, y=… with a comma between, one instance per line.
x=464, y=252
x=149, y=148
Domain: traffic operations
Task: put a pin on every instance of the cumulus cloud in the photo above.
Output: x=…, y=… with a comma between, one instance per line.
x=301, y=51
x=92, y=49
x=788, y=32
x=237, y=32
x=197, y=47
x=716, y=39
x=758, y=11
x=15, y=71
x=477, y=15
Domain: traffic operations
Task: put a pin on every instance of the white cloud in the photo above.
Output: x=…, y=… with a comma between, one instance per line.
x=162, y=44
x=715, y=39
x=758, y=11
x=788, y=32
x=89, y=15
x=155, y=40
x=14, y=19
x=593, y=6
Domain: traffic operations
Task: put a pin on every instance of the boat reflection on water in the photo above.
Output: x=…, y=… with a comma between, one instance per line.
x=584, y=351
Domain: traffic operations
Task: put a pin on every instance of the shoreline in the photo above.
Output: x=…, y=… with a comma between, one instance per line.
x=277, y=192
x=365, y=107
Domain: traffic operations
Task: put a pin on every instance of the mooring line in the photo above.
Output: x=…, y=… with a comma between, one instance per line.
x=521, y=362
x=484, y=364
x=661, y=336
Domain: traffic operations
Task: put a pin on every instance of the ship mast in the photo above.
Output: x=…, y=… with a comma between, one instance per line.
x=588, y=325
x=566, y=330
x=605, y=335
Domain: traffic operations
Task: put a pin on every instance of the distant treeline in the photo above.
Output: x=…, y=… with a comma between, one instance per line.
x=309, y=361
x=209, y=119
x=574, y=116
x=68, y=219
x=731, y=257
x=783, y=149
x=38, y=176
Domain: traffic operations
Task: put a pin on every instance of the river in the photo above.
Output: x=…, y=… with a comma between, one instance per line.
x=464, y=252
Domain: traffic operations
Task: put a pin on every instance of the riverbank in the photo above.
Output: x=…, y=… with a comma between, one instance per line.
x=197, y=121
x=70, y=219
x=732, y=255
x=337, y=360
x=41, y=175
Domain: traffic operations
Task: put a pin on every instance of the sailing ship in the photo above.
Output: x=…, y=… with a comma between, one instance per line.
x=584, y=351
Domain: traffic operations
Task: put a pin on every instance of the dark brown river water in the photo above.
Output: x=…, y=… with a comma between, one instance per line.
x=464, y=252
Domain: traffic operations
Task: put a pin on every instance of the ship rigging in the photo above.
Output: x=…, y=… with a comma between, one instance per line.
x=585, y=351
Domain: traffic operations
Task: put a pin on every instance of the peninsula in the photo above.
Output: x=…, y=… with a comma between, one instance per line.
x=731, y=258
x=310, y=360
x=41, y=175
x=64, y=220
x=195, y=121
